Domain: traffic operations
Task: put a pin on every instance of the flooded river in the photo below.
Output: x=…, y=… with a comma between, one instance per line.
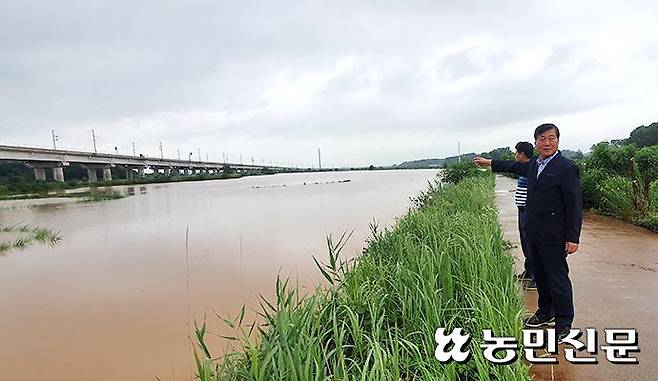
x=112, y=300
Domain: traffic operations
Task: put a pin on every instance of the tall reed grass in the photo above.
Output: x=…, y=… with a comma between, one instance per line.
x=442, y=265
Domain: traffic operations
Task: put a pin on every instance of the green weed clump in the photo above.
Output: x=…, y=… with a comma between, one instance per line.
x=27, y=235
x=456, y=172
x=443, y=265
x=4, y=246
x=616, y=197
x=653, y=196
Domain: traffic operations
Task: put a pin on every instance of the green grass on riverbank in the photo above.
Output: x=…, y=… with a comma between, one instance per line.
x=443, y=265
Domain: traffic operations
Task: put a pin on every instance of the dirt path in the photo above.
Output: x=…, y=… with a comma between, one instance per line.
x=615, y=282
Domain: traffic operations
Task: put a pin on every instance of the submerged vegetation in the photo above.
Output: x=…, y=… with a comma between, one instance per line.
x=26, y=235
x=442, y=265
x=101, y=196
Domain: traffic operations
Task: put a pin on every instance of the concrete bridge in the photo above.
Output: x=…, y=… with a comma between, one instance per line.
x=42, y=159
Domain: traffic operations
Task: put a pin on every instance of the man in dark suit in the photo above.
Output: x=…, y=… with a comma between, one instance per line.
x=553, y=208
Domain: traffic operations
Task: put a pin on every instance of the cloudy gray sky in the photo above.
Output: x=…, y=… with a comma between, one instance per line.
x=369, y=82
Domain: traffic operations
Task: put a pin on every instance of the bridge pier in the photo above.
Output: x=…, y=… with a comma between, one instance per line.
x=91, y=174
x=58, y=174
x=40, y=173
x=40, y=170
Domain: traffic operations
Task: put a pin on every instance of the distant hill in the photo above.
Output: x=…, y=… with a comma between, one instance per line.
x=498, y=153
x=434, y=163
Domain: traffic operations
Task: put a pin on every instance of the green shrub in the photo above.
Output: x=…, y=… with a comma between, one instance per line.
x=653, y=196
x=456, y=172
x=615, y=161
x=616, y=197
x=590, y=180
x=650, y=222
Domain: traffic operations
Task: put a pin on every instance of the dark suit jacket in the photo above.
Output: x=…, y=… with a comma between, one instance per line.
x=554, y=205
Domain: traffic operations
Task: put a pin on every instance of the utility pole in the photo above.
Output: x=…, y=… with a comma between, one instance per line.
x=224, y=157
x=93, y=137
x=178, y=152
x=55, y=137
x=161, y=154
x=319, y=160
x=207, y=158
x=199, y=152
x=459, y=151
x=134, y=152
x=240, y=158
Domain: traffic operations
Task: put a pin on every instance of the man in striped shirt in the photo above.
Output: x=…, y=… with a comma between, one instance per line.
x=524, y=152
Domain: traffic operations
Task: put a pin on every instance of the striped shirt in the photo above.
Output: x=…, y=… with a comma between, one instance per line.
x=521, y=193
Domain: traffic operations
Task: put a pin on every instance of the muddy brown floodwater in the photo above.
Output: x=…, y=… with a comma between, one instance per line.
x=111, y=300
x=615, y=281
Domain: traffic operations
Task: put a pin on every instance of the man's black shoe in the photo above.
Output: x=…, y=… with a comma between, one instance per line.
x=561, y=333
x=523, y=276
x=531, y=285
x=539, y=320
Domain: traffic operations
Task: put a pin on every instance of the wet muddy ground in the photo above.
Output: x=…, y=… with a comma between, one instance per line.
x=615, y=281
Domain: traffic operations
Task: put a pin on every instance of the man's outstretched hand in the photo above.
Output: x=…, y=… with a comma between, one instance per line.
x=481, y=162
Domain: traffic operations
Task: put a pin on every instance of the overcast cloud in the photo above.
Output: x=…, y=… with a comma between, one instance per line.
x=375, y=82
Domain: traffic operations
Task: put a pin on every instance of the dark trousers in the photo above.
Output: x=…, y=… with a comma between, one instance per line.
x=525, y=245
x=553, y=284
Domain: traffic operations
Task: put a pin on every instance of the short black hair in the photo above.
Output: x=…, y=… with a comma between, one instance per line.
x=545, y=127
x=525, y=148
